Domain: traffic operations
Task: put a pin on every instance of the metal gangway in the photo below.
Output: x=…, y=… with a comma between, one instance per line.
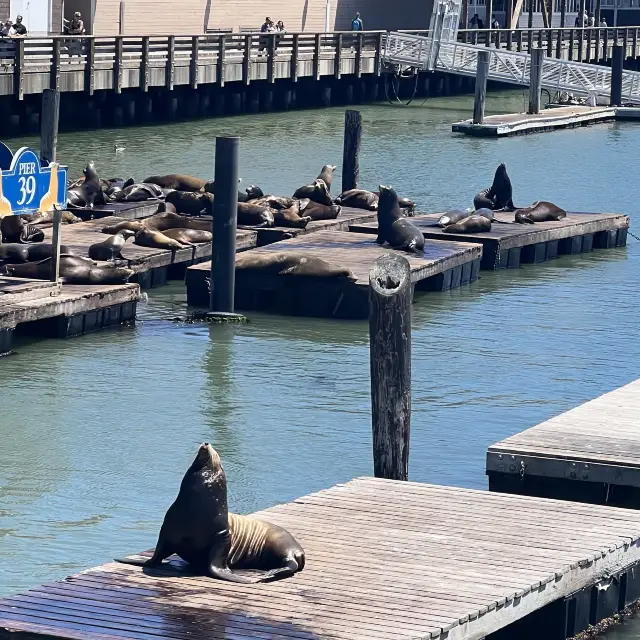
x=441, y=51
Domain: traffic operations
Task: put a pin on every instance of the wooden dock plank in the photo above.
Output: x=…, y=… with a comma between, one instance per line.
x=356, y=252
x=594, y=443
x=503, y=238
x=385, y=560
x=124, y=210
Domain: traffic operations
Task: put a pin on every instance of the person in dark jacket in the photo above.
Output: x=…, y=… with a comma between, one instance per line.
x=356, y=23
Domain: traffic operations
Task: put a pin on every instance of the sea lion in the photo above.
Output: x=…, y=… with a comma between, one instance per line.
x=14, y=252
x=274, y=202
x=188, y=236
x=408, y=206
x=485, y=213
x=291, y=217
x=165, y=207
x=255, y=215
x=193, y=203
x=452, y=216
x=91, y=190
x=499, y=196
x=318, y=192
x=75, y=199
x=47, y=216
x=539, y=211
x=358, y=199
x=290, y=264
x=44, y=250
x=252, y=192
x=130, y=225
x=139, y=193
x=170, y=220
x=199, y=528
x=317, y=211
x=110, y=248
x=326, y=174
x=471, y=224
x=393, y=228
x=15, y=229
x=107, y=274
x=177, y=181
x=155, y=239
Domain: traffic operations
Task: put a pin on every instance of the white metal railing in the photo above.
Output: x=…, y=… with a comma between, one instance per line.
x=508, y=66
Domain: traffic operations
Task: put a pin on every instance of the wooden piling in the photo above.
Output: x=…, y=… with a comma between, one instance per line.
x=617, y=61
x=535, y=80
x=482, y=73
x=351, y=149
x=49, y=125
x=225, y=220
x=55, y=243
x=390, y=296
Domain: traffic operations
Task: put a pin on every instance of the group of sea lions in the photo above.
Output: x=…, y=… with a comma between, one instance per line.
x=199, y=528
x=497, y=198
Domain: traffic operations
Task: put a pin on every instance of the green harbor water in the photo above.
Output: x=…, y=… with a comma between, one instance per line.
x=97, y=431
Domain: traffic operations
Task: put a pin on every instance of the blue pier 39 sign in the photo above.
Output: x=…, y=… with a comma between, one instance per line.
x=28, y=187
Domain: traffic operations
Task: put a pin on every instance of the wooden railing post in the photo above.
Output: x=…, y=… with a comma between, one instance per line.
x=89, y=69
x=18, y=70
x=588, y=56
x=634, y=44
x=535, y=80
x=581, y=43
x=271, y=58
x=617, y=64
x=351, y=149
x=489, y=18
x=549, y=42
x=246, y=61
x=193, y=68
x=316, y=56
x=222, y=51
x=55, y=245
x=144, y=68
x=49, y=119
x=171, y=63
x=482, y=73
x=519, y=36
x=605, y=45
x=571, y=43
x=559, y=41
x=295, y=53
x=378, y=64
x=55, y=65
x=117, y=66
x=337, y=69
x=390, y=296
x=358, y=61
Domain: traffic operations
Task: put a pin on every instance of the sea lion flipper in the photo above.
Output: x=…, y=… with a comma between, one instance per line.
x=222, y=573
x=380, y=239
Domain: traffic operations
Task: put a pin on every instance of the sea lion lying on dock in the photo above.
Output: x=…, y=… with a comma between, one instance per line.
x=139, y=193
x=14, y=229
x=149, y=237
x=199, y=528
x=317, y=211
x=358, y=199
x=177, y=181
x=452, y=216
x=540, y=211
x=274, y=202
x=193, y=203
x=189, y=236
x=252, y=192
x=317, y=191
x=393, y=227
x=169, y=220
x=291, y=217
x=471, y=224
x=255, y=215
x=499, y=196
x=290, y=264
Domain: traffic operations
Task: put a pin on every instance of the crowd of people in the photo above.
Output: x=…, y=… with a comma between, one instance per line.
x=588, y=20
x=270, y=27
x=10, y=29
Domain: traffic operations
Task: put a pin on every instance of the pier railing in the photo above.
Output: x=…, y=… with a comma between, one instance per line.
x=92, y=63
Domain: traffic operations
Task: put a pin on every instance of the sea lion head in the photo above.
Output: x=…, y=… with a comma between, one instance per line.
x=126, y=233
x=321, y=186
x=523, y=218
x=388, y=198
x=329, y=167
x=254, y=192
x=90, y=172
x=207, y=466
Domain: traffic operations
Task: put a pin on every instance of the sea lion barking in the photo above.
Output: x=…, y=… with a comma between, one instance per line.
x=393, y=228
x=199, y=528
x=499, y=196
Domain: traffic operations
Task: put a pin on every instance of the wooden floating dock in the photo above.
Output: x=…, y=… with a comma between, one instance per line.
x=152, y=267
x=591, y=453
x=124, y=210
x=445, y=265
x=508, y=246
x=511, y=124
x=48, y=310
x=386, y=560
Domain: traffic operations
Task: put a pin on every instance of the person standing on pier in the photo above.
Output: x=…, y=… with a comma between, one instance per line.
x=582, y=19
x=18, y=28
x=356, y=23
x=76, y=28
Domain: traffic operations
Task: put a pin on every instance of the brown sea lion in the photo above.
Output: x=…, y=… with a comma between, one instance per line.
x=199, y=528
x=393, y=227
x=14, y=229
x=359, y=199
x=291, y=217
x=187, y=236
x=91, y=190
x=274, y=202
x=255, y=215
x=318, y=192
x=155, y=239
x=471, y=224
x=104, y=274
x=290, y=264
x=452, y=216
x=499, y=196
x=169, y=220
x=110, y=248
x=165, y=207
x=139, y=193
x=14, y=252
x=317, y=211
x=44, y=250
x=326, y=174
x=130, y=225
x=540, y=211
x=47, y=216
x=193, y=203
x=178, y=181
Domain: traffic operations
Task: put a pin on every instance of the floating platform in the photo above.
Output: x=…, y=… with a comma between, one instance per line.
x=125, y=210
x=49, y=310
x=591, y=453
x=385, y=560
x=445, y=265
x=152, y=267
x=509, y=245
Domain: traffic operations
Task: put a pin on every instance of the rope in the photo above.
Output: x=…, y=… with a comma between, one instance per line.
x=631, y=234
x=395, y=81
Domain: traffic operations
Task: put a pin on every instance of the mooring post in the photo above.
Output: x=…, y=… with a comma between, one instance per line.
x=482, y=73
x=55, y=244
x=390, y=294
x=351, y=149
x=535, y=79
x=49, y=125
x=225, y=216
x=617, y=62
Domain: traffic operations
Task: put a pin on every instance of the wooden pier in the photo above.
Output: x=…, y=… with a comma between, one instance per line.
x=509, y=245
x=49, y=310
x=386, y=560
x=445, y=265
x=124, y=210
x=591, y=453
x=152, y=267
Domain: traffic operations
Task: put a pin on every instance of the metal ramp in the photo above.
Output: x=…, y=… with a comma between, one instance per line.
x=442, y=52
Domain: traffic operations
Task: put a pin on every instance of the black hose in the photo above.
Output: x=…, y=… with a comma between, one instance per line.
x=395, y=86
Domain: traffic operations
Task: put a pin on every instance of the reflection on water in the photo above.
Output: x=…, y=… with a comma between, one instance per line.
x=98, y=430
